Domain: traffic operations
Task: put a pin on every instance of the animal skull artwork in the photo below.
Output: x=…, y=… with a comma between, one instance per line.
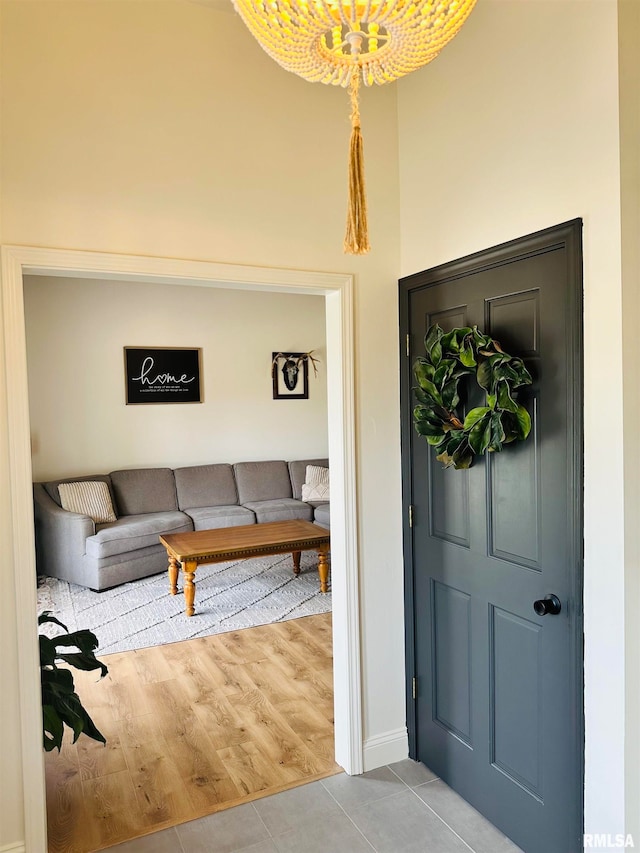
x=290, y=371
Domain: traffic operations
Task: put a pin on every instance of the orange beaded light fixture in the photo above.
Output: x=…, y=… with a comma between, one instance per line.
x=340, y=42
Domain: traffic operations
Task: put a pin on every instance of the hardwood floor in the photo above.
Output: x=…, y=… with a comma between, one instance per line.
x=193, y=728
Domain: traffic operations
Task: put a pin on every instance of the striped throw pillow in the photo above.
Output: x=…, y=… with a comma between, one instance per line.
x=89, y=497
x=316, y=484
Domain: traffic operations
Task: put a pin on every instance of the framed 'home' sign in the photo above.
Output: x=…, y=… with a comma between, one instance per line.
x=162, y=375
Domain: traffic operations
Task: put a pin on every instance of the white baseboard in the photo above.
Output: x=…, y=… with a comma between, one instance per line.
x=17, y=847
x=386, y=748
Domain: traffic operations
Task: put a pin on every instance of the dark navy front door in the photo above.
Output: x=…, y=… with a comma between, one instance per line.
x=497, y=712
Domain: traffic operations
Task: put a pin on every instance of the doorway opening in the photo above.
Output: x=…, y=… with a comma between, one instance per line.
x=338, y=293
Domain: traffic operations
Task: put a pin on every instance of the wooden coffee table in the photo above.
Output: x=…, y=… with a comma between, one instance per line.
x=188, y=550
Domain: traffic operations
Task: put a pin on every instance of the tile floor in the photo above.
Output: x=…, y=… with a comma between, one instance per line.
x=401, y=808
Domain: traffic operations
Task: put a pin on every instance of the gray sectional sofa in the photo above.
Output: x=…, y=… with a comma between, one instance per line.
x=149, y=502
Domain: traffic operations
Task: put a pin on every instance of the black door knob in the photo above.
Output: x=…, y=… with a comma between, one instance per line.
x=549, y=605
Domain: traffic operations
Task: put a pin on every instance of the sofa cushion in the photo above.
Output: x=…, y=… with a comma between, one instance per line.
x=298, y=471
x=262, y=481
x=283, y=509
x=52, y=487
x=90, y=497
x=135, y=531
x=140, y=490
x=205, y=486
x=316, y=484
x=212, y=517
x=321, y=515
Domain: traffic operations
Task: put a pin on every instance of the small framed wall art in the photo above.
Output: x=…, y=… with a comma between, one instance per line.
x=162, y=375
x=290, y=374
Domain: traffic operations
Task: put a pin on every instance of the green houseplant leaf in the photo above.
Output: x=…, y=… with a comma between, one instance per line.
x=61, y=705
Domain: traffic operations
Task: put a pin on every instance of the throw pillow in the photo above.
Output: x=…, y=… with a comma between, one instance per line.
x=89, y=497
x=316, y=484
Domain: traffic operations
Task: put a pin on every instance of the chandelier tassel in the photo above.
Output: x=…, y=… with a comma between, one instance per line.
x=356, y=240
x=335, y=41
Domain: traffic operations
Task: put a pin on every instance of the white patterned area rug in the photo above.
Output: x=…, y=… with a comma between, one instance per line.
x=229, y=596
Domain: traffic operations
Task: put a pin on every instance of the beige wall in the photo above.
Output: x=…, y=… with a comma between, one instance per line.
x=163, y=129
x=76, y=331
x=513, y=129
x=629, y=36
x=11, y=799
x=125, y=130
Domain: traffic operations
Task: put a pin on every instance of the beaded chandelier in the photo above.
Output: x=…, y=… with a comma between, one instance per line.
x=341, y=42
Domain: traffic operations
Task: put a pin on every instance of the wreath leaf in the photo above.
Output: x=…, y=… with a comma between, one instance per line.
x=480, y=436
x=432, y=338
x=484, y=375
x=504, y=398
x=466, y=355
x=450, y=356
x=524, y=422
x=497, y=433
x=475, y=415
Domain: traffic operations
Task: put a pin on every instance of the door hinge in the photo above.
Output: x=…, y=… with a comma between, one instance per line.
x=408, y=345
x=410, y=515
x=414, y=687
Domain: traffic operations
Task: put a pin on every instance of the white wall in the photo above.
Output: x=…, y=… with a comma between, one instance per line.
x=163, y=129
x=76, y=331
x=512, y=129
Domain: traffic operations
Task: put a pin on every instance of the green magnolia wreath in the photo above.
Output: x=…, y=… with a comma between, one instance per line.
x=451, y=356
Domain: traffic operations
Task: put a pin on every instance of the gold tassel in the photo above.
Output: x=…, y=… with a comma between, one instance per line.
x=356, y=239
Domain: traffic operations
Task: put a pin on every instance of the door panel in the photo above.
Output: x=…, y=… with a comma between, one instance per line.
x=515, y=675
x=449, y=507
x=498, y=708
x=451, y=619
x=514, y=494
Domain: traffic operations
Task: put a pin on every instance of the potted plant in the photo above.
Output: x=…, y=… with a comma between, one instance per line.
x=60, y=703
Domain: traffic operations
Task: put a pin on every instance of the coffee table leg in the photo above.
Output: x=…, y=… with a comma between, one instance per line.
x=173, y=575
x=189, y=573
x=296, y=562
x=323, y=569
